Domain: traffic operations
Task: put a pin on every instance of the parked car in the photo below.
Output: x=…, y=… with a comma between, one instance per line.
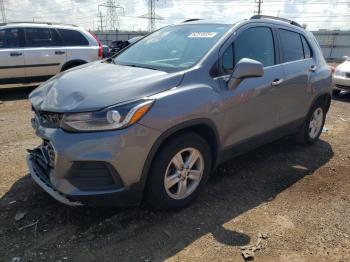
x=341, y=77
x=118, y=45
x=105, y=52
x=31, y=53
x=154, y=122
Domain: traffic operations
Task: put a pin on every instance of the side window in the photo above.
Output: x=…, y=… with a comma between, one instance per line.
x=254, y=43
x=2, y=38
x=227, y=60
x=41, y=37
x=11, y=38
x=73, y=38
x=307, y=50
x=292, y=47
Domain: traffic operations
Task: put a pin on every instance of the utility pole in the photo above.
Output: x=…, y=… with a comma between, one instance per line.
x=2, y=11
x=259, y=3
x=100, y=18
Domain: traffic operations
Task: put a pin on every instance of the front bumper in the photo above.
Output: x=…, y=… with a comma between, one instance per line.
x=341, y=83
x=97, y=168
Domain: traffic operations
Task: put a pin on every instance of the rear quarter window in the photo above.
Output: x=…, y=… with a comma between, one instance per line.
x=307, y=49
x=73, y=38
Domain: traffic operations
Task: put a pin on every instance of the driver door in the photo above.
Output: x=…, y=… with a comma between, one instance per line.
x=251, y=108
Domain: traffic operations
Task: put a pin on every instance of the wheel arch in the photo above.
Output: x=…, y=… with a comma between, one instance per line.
x=325, y=98
x=75, y=62
x=203, y=127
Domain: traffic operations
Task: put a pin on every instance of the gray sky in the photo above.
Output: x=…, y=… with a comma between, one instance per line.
x=325, y=14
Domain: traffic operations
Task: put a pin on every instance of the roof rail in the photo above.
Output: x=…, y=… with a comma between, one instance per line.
x=276, y=18
x=191, y=20
x=32, y=22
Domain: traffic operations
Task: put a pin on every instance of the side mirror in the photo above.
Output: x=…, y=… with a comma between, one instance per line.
x=345, y=57
x=245, y=68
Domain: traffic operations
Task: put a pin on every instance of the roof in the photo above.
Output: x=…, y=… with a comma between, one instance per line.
x=255, y=18
x=36, y=24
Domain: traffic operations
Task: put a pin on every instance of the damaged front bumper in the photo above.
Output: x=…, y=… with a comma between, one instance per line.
x=39, y=168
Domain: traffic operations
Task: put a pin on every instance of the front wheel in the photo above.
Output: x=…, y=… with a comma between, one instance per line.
x=178, y=172
x=313, y=125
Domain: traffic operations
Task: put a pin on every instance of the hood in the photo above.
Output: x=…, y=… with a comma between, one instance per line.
x=97, y=85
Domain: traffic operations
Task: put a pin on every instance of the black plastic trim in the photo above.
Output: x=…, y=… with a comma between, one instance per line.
x=26, y=66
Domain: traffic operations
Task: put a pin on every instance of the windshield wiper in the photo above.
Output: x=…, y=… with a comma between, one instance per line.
x=141, y=66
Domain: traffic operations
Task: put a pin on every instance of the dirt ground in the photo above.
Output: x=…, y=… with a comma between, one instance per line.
x=296, y=197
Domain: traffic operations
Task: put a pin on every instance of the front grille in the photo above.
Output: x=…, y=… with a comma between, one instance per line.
x=40, y=165
x=49, y=153
x=48, y=119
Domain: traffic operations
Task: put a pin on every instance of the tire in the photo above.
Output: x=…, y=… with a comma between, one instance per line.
x=167, y=169
x=310, y=133
x=72, y=66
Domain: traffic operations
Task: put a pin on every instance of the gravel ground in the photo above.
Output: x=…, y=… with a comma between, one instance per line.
x=293, y=200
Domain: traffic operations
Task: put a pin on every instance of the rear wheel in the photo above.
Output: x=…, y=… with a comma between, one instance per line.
x=313, y=125
x=178, y=173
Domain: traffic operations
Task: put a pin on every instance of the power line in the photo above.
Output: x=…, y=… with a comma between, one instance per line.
x=2, y=10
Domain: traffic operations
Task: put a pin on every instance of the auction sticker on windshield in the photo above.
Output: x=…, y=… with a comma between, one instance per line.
x=202, y=34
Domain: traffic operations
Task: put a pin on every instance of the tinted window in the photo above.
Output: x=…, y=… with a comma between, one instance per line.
x=292, y=47
x=247, y=46
x=307, y=50
x=36, y=37
x=73, y=38
x=2, y=38
x=227, y=60
x=11, y=38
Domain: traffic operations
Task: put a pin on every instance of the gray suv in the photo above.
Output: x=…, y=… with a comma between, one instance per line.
x=153, y=122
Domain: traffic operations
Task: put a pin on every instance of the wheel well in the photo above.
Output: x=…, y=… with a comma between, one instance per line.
x=72, y=63
x=324, y=99
x=203, y=130
x=207, y=131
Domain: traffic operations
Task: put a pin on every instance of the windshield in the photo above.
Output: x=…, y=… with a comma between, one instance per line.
x=173, y=48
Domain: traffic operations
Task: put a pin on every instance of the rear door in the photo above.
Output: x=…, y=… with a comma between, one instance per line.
x=44, y=53
x=77, y=46
x=252, y=107
x=298, y=64
x=11, y=56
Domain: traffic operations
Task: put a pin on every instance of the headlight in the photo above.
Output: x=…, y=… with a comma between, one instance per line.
x=338, y=72
x=114, y=117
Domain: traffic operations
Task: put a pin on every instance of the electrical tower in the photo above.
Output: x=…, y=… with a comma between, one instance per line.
x=112, y=17
x=259, y=3
x=100, y=21
x=2, y=11
x=151, y=15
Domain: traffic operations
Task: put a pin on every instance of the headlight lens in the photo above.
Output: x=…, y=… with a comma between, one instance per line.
x=110, y=118
x=338, y=72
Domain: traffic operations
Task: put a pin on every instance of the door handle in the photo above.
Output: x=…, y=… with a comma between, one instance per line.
x=15, y=54
x=276, y=82
x=59, y=52
x=312, y=68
